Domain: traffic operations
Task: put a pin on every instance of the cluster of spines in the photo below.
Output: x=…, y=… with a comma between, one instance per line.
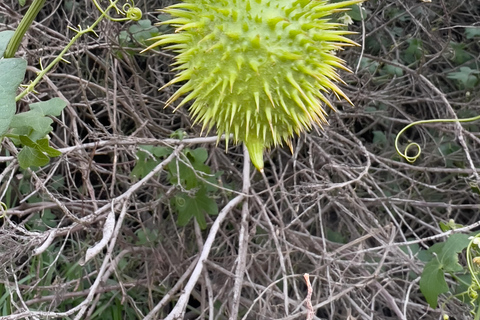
x=269, y=71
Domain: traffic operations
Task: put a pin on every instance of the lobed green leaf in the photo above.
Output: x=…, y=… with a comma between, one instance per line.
x=30, y=157
x=445, y=260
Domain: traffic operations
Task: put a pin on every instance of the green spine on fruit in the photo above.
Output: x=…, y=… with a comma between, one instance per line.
x=256, y=69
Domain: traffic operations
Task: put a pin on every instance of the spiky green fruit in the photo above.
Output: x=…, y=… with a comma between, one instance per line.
x=257, y=69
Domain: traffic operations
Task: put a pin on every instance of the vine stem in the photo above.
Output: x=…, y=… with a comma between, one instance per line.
x=80, y=33
x=22, y=28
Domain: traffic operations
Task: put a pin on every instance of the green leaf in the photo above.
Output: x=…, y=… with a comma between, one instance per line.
x=466, y=77
x=26, y=141
x=392, y=70
x=30, y=157
x=197, y=158
x=464, y=281
x=22, y=2
x=460, y=56
x=472, y=32
x=37, y=119
x=196, y=206
x=444, y=227
x=355, y=14
x=146, y=236
x=475, y=188
x=194, y=171
x=37, y=149
x=424, y=256
x=5, y=37
x=335, y=236
x=449, y=257
x=161, y=151
x=432, y=282
x=410, y=249
x=450, y=225
x=69, y=5
x=436, y=248
x=142, y=32
x=12, y=72
x=449, y=148
x=379, y=138
x=178, y=134
x=57, y=182
x=49, y=219
x=146, y=162
x=199, y=155
x=179, y=202
x=33, y=119
x=52, y=107
x=414, y=51
x=370, y=65
x=183, y=174
x=143, y=167
x=44, y=145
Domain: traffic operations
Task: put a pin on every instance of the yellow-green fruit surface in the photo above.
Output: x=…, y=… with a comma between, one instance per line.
x=257, y=69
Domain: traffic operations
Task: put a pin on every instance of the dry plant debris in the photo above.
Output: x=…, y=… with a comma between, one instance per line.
x=344, y=208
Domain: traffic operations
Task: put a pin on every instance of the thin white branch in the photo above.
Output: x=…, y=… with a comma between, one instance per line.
x=108, y=227
x=106, y=262
x=152, y=314
x=128, y=141
x=48, y=241
x=242, y=239
x=179, y=310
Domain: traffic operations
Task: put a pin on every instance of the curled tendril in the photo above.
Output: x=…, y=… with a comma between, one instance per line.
x=3, y=209
x=133, y=13
x=412, y=159
x=472, y=293
x=180, y=201
x=404, y=154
